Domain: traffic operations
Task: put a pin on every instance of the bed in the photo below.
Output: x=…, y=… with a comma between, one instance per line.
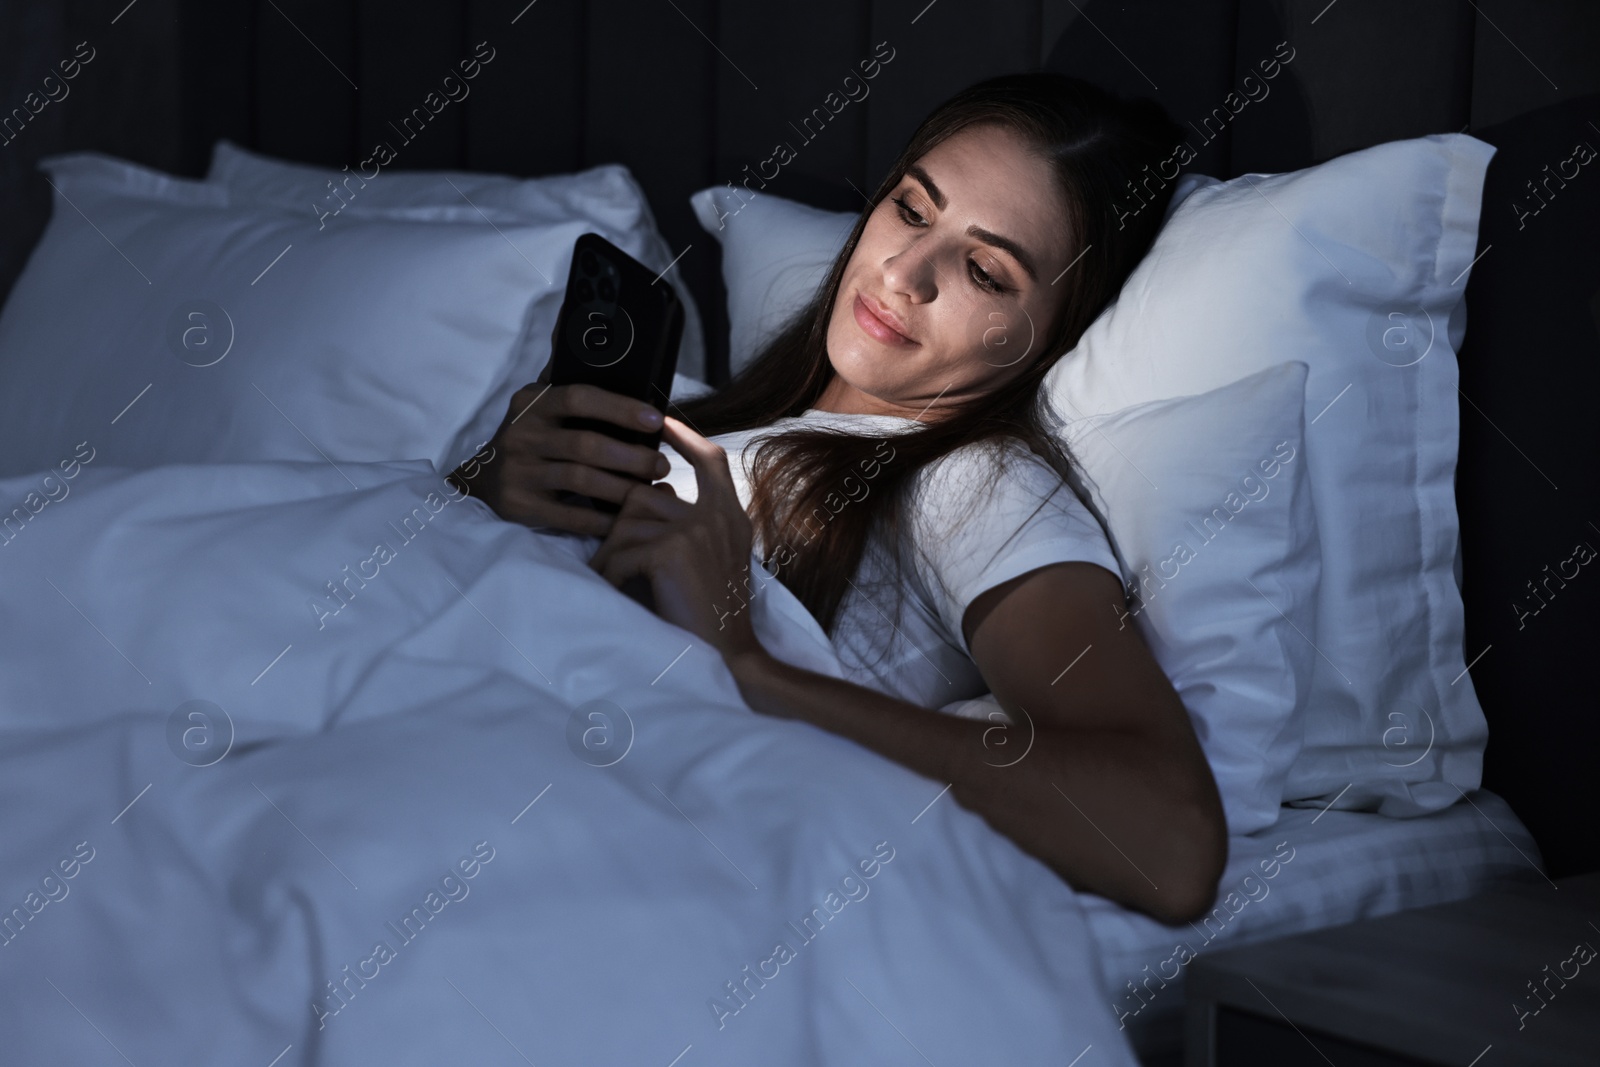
x=1321, y=869
x=308, y=758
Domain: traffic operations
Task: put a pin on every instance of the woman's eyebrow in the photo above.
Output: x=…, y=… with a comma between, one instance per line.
x=916, y=171
x=1006, y=243
x=988, y=238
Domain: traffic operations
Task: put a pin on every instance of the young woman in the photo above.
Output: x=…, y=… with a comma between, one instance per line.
x=901, y=454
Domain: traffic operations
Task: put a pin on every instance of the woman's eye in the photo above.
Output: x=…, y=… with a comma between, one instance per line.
x=984, y=278
x=908, y=216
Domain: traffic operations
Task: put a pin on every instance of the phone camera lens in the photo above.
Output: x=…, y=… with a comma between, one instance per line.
x=585, y=290
x=589, y=262
x=608, y=291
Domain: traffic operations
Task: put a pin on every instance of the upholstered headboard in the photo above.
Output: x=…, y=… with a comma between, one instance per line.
x=690, y=93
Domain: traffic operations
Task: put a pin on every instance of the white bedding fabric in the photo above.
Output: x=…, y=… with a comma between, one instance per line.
x=419, y=748
x=1310, y=870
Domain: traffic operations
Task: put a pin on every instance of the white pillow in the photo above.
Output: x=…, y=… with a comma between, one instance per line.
x=775, y=254
x=1350, y=266
x=163, y=324
x=1356, y=266
x=606, y=196
x=1210, y=511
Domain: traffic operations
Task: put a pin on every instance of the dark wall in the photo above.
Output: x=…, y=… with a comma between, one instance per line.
x=689, y=93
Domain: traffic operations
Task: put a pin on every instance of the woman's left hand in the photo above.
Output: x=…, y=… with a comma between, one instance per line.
x=696, y=556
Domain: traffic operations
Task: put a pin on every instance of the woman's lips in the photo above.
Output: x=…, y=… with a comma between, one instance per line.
x=876, y=328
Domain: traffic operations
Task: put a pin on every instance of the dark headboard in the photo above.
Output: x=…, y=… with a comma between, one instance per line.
x=688, y=93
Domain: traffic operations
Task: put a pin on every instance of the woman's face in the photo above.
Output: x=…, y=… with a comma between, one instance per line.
x=952, y=287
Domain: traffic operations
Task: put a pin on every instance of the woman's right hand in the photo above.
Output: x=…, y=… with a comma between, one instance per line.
x=533, y=457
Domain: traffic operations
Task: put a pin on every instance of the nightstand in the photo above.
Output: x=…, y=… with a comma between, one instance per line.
x=1510, y=976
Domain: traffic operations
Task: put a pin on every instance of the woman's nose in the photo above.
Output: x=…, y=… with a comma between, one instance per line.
x=913, y=273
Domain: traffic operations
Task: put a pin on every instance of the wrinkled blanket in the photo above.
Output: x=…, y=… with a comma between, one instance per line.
x=324, y=763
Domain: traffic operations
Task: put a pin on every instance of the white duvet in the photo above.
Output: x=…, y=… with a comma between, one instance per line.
x=321, y=764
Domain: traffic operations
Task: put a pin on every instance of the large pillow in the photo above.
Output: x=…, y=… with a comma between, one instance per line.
x=160, y=322
x=1357, y=267
x=606, y=196
x=1210, y=512
x=775, y=254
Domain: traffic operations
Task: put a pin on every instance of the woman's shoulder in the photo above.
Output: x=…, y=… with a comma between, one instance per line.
x=990, y=489
x=994, y=464
x=993, y=510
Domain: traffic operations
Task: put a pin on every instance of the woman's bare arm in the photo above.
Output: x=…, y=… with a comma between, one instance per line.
x=1115, y=794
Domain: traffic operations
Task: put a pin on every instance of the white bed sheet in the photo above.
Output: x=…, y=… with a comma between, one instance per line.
x=1329, y=868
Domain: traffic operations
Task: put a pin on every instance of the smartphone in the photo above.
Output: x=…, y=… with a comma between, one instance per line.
x=619, y=329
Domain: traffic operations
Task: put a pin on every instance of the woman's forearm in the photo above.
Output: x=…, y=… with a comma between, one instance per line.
x=1094, y=806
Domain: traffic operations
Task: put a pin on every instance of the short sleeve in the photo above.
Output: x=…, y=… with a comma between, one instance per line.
x=981, y=517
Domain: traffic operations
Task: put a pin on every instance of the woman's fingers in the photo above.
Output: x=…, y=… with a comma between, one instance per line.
x=645, y=516
x=539, y=407
x=537, y=457
x=534, y=510
x=709, y=459
x=578, y=478
x=626, y=535
x=624, y=563
x=650, y=501
x=599, y=450
x=592, y=402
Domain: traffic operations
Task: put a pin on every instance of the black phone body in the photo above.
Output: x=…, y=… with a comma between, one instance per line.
x=619, y=328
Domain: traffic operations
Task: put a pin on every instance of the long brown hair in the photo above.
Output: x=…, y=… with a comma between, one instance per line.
x=1099, y=147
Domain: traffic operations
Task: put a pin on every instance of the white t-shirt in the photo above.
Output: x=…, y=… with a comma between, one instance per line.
x=1023, y=518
